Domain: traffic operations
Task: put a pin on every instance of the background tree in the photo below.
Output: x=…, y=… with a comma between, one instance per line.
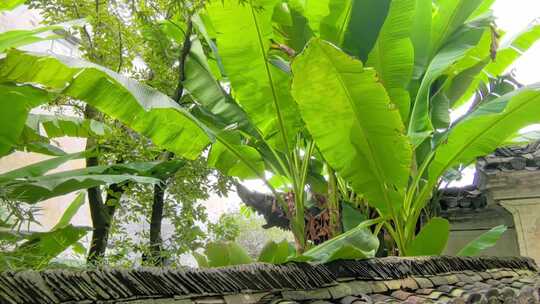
x=117, y=35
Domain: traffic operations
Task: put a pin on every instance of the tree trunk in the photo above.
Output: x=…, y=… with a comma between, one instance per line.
x=102, y=216
x=155, y=258
x=101, y=212
x=95, y=200
x=156, y=243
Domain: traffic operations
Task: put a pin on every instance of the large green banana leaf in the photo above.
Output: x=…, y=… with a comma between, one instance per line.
x=468, y=36
x=486, y=129
x=15, y=103
x=42, y=167
x=483, y=242
x=258, y=86
x=357, y=243
x=144, y=109
x=60, y=126
x=41, y=188
x=358, y=131
x=512, y=46
x=207, y=91
x=393, y=54
x=31, y=184
x=17, y=38
x=421, y=36
x=432, y=238
x=448, y=18
x=354, y=25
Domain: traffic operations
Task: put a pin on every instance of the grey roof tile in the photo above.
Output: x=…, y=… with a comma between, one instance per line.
x=392, y=280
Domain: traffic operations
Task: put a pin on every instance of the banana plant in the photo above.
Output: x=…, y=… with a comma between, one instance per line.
x=396, y=157
x=375, y=110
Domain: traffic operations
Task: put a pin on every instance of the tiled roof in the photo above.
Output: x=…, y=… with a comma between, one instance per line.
x=468, y=197
x=386, y=280
x=511, y=158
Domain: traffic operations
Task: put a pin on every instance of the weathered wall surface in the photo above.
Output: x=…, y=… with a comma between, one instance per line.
x=518, y=192
x=467, y=225
x=526, y=214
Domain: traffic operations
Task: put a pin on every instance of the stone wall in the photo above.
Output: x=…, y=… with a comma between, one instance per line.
x=467, y=225
x=518, y=191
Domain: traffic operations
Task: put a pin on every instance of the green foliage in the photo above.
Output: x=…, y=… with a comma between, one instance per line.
x=30, y=184
x=223, y=254
x=394, y=42
x=142, y=107
x=36, y=249
x=185, y=217
x=12, y=39
x=483, y=242
x=10, y=4
x=276, y=253
x=71, y=210
x=363, y=121
x=351, y=217
x=354, y=25
x=15, y=103
x=357, y=243
x=432, y=238
x=59, y=126
x=261, y=90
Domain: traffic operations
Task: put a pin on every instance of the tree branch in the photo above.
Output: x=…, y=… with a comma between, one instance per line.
x=186, y=48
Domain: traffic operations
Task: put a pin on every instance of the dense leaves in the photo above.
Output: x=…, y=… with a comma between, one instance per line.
x=487, y=128
x=394, y=42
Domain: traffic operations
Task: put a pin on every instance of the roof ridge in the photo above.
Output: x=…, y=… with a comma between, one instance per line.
x=60, y=285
